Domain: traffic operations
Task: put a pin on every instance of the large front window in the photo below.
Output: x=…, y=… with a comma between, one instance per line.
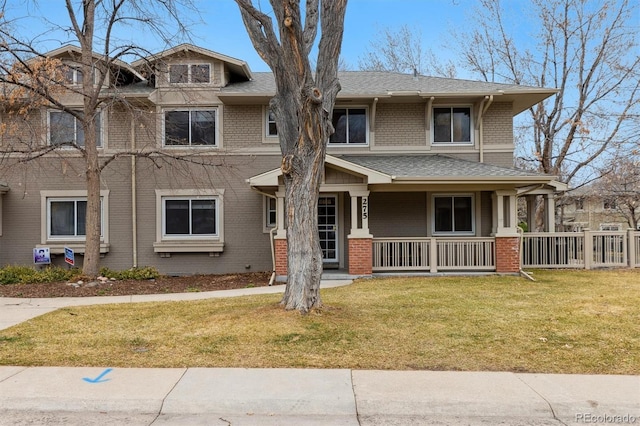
x=66, y=218
x=66, y=129
x=190, y=217
x=350, y=126
x=453, y=214
x=190, y=128
x=452, y=125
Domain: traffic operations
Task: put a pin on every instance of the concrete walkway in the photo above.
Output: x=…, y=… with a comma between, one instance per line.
x=229, y=396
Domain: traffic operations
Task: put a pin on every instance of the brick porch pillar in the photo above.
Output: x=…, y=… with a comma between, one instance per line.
x=280, y=246
x=360, y=256
x=507, y=254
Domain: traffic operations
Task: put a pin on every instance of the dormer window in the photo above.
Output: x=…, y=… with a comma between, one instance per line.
x=72, y=75
x=189, y=73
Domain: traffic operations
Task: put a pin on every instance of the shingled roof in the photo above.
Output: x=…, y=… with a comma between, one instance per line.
x=431, y=166
x=375, y=84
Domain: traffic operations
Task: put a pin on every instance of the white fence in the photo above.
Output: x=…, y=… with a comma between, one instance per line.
x=584, y=250
x=434, y=254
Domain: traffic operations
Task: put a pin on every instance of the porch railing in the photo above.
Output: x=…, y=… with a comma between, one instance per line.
x=433, y=254
x=583, y=250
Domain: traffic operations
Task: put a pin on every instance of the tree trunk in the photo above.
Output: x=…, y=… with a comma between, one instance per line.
x=303, y=107
x=91, y=264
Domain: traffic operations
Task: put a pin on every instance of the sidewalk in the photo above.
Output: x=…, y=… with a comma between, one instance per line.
x=223, y=396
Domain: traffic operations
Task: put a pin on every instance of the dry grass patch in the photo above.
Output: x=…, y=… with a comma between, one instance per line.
x=566, y=322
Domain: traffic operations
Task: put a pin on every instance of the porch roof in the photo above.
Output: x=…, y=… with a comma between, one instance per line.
x=426, y=168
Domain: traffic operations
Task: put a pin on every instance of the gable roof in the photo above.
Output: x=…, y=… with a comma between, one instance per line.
x=385, y=85
x=236, y=66
x=69, y=50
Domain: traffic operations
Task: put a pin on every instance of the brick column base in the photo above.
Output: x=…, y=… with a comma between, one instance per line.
x=360, y=256
x=507, y=254
x=280, y=247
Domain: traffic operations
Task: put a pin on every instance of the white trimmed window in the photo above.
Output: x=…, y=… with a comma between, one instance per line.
x=452, y=125
x=66, y=130
x=189, y=217
x=64, y=219
x=453, y=214
x=350, y=126
x=191, y=127
x=72, y=75
x=189, y=73
x=189, y=221
x=270, y=215
x=271, y=129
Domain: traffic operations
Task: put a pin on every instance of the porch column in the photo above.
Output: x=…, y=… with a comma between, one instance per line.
x=506, y=232
x=360, y=241
x=531, y=213
x=549, y=213
x=280, y=239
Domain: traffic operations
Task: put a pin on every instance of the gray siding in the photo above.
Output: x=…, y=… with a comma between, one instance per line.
x=398, y=214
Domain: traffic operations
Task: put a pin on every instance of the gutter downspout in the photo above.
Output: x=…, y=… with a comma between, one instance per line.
x=134, y=204
x=271, y=238
x=483, y=108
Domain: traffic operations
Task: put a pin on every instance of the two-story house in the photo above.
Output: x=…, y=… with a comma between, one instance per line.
x=419, y=173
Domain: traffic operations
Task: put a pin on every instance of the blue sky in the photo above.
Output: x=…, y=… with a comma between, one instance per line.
x=221, y=29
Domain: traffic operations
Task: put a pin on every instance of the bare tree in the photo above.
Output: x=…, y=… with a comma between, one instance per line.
x=620, y=185
x=32, y=80
x=588, y=50
x=403, y=51
x=303, y=108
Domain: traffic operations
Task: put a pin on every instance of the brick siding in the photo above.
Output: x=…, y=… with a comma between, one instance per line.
x=507, y=254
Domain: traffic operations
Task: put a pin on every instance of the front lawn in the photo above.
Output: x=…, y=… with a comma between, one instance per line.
x=565, y=322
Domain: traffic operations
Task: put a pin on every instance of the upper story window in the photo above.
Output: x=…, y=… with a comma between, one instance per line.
x=189, y=73
x=350, y=126
x=72, y=75
x=453, y=214
x=66, y=129
x=610, y=204
x=580, y=204
x=452, y=125
x=190, y=128
x=272, y=129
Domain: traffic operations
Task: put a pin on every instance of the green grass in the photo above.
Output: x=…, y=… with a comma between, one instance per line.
x=565, y=322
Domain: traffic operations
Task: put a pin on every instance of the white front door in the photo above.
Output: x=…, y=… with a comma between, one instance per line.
x=328, y=227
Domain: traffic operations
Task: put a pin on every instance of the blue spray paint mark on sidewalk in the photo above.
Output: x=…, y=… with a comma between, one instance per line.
x=99, y=379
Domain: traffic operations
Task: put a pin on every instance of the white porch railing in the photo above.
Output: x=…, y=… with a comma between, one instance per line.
x=433, y=254
x=585, y=250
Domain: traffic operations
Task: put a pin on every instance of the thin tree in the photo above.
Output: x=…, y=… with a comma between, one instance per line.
x=620, y=185
x=585, y=49
x=35, y=80
x=403, y=50
x=303, y=109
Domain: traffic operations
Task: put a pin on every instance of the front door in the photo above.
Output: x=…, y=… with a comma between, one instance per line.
x=328, y=227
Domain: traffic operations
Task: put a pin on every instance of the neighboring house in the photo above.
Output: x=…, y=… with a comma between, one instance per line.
x=595, y=209
x=418, y=174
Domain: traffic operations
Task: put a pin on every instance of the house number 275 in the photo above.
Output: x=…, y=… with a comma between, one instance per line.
x=365, y=207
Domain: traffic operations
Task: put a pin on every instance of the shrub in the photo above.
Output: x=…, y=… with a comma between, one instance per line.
x=28, y=275
x=145, y=273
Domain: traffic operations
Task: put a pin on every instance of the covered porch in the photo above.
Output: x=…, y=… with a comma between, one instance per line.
x=420, y=213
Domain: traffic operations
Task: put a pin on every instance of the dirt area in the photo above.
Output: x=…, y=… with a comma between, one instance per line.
x=161, y=285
